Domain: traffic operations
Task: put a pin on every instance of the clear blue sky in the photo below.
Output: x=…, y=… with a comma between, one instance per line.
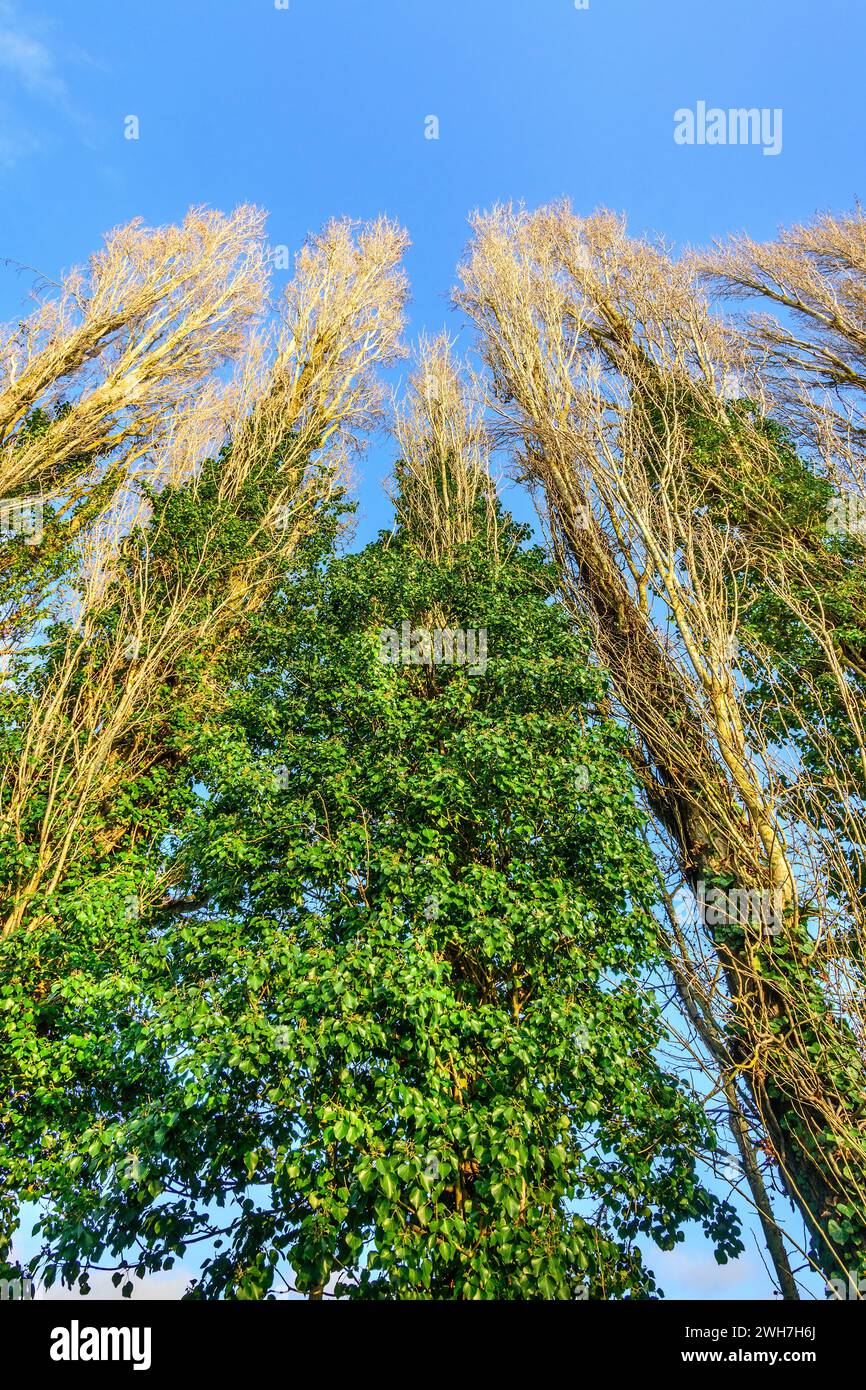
x=319, y=110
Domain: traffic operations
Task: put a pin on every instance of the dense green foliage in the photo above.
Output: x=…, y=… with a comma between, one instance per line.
x=399, y=1039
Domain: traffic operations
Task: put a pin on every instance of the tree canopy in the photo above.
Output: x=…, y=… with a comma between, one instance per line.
x=343, y=942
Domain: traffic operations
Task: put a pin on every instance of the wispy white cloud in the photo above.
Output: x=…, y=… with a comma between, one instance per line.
x=15, y=142
x=31, y=63
x=690, y=1273
x=164, y=1287
x=32, y=71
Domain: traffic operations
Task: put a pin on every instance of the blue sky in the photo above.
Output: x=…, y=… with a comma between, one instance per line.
x=319, y=109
